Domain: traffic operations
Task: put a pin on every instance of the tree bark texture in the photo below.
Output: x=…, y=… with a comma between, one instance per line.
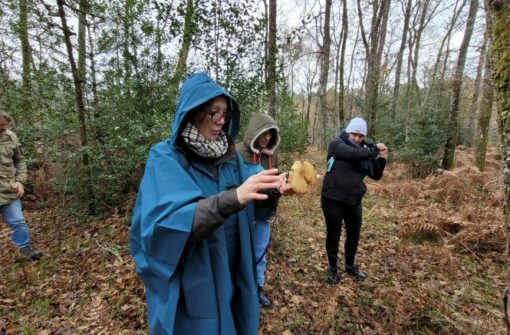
x=477, y=85
x=180, y=68
x=453, y=121
x=80, y=105
x=500, y=12
x=400, y=57
x=345, y=29
x=271, y=59
x=323, y=79
x=26, y=55
x=380, y=12
x=417, y=44
x=82, y=50
x=484, y=115
x=436, y=86
x=126, y=53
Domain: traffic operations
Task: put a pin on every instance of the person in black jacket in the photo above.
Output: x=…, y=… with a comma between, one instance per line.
x=350, y=159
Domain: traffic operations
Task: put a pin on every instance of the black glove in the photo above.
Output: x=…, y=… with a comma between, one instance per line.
x=374, y=151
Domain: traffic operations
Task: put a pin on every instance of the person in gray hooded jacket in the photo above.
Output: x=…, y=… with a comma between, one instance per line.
x=259, y=146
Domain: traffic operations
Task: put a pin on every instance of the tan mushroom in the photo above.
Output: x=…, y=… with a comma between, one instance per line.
x=301, y=175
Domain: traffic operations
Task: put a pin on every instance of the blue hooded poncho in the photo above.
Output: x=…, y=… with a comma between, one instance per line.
x=189, y=289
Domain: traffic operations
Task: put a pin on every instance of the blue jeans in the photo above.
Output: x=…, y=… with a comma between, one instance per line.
x=262, y=235
x=14, y=218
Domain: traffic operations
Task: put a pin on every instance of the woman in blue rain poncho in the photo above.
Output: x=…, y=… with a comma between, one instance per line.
x=191, y=235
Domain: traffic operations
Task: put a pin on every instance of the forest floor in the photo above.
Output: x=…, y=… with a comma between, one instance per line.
x=434, y=249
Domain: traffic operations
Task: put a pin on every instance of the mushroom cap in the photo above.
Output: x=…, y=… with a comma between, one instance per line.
x=309, y=173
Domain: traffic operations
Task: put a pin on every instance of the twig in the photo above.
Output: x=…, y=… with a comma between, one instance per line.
x=110, y=250
x=25, y=276
x=505, y=304
x=5, y=234
x=493, y=181
x=461, y=243
x=59, y=234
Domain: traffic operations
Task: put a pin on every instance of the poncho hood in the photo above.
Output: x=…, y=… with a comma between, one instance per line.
x=196, y=90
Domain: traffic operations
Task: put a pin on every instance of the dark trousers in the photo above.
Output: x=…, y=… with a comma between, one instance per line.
x=334, y=213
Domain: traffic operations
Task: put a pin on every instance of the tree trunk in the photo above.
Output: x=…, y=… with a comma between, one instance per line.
x=308, y=105
x=95, y=100
x=323, y=79
x=456, y=14
x=266, y=40
x=93, y=70
x=417, y=42
x=80, y=105
x=180, y=68
x=271, y=59
x=335, y=118
x=317, y=140
x=484, y=116
x=444, y=41
x=500, y=12
x=341, y=97
x=310, y=80
x=351, y=67
x=440, y=89
x=453, y=127
x=26, y=54
x=472, y=116
x=380, y=12
x=407, y=98
x=217, y=40
x=82, y=52
x=126, y=53
x=400, y=56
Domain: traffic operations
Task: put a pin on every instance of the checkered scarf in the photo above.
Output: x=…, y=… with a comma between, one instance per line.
x=201, y=145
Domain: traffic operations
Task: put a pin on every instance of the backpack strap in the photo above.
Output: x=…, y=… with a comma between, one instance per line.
x=331, y=161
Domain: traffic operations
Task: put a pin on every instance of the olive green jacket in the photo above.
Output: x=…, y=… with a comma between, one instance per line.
x=13, y=167
x=258, y=124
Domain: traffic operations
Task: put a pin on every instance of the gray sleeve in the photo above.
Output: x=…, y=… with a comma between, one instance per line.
x=212, y=212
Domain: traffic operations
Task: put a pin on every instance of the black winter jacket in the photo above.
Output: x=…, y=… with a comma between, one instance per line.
x=344, y=181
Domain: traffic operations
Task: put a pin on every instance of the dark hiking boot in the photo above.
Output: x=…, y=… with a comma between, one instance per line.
x=356, y=272
x=28, y=253
x=263, y=299
x=332, y=276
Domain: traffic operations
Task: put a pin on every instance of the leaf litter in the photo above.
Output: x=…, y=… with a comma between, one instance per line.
x=434, y=249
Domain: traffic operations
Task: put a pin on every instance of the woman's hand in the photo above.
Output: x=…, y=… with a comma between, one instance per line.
x=383, y=149
x=284, y=188
x=264, y=180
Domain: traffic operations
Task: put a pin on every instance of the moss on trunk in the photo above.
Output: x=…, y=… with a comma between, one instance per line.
x=500, y=11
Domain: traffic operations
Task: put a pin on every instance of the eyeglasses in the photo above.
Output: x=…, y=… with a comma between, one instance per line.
x=217, y=116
